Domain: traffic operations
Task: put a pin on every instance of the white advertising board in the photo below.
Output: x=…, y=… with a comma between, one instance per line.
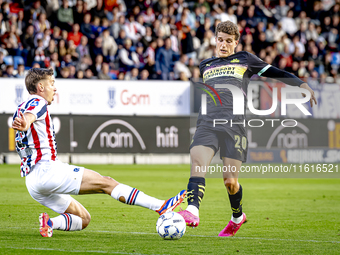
x=97, y=97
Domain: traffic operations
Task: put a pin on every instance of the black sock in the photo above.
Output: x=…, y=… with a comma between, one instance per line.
x=196, y=189
x=236, y=203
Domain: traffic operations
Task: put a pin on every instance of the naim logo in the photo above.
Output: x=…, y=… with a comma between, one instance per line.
x=238, y=100
x=116, y=138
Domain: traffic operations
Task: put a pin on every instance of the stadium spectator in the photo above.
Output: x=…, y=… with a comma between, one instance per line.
x=12, y=42
x=121, y=76
x=89, y=74
x=97, y=65
x=98, y=10
x=64, y=73
x=62, y=49
x=288, y=23
x=78, y=12
x=32, y=12
x=148, y=16
x=56, y=35
x=72, y=50
x=144, y=75
x=80, y=74
x=128, y=59
x=104, y=73
x=190, y=26
x=9, y=72
x=109, y=47
x=50, y=49
x=130, y=28
x=132, y=75
x=45, y=37
x=281, y=10
x=20, y=71
x=84, y=63
x=151, y=68
x=41, y=24
x=86, y=28
x=181, y=67
x=96, y=48
x=165, y=58
x=75, y=35
x=83, y=49
x=118, y=24
x=65, y=16
x=55, y=64
x=121, y=39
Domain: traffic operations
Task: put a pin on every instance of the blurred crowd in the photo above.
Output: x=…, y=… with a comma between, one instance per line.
x=165, y=39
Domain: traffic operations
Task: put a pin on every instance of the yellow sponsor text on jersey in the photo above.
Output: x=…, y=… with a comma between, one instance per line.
x=236, y=71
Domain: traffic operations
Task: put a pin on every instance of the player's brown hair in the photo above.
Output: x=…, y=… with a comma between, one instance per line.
x=228, y=27
x=34, y=75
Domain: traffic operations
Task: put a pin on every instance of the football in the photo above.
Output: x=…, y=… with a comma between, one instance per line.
x=171, y=226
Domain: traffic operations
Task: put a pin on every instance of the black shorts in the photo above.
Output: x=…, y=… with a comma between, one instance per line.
x=232, y=144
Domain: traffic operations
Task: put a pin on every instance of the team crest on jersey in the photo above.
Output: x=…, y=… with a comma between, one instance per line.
x=112, y=92
x=235, y=60
x=19, y=90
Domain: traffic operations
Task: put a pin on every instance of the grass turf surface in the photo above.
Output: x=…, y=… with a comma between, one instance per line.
x=295, y=216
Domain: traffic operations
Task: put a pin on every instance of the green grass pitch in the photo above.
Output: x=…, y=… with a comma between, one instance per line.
x=285, y=216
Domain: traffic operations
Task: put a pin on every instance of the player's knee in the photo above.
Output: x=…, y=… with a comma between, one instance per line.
x=86, y=217
x=231, y=184
x=198, y=162
x=108, y=184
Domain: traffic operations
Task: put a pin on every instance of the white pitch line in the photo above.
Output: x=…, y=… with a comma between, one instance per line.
x=235, y=237
x=76, y=251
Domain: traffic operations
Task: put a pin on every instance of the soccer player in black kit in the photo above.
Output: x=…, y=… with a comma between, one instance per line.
x=235, y=69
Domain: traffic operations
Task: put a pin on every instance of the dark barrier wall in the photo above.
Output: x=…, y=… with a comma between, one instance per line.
x=311, y=140
x=112, y=134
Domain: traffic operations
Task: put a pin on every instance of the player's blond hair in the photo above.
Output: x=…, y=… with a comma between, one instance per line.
x=34, y=75
x=228, y=27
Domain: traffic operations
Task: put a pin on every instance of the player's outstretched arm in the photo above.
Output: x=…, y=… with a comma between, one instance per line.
x=290, y=79
x=312, y=99
x=23, y=121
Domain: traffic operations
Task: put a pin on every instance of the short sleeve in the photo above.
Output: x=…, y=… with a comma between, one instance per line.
x=37, y=107
x=256, y=65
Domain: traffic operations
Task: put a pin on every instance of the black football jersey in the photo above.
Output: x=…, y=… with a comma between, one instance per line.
x=235, y=70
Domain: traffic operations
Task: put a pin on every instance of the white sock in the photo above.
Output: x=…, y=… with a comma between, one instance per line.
x=237, y=220
x=132, y=196
x=193, y=209
x=67, y=222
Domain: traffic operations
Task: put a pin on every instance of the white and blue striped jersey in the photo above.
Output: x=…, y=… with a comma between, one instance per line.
x=38, y=142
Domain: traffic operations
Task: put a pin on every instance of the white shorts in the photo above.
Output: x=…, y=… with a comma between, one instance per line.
x=51, y=182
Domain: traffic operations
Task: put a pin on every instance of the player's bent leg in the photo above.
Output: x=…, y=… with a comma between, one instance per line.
x=76, y=208
x=93, y=182
x=201, y=157
x=235, y=196
x=75, y=218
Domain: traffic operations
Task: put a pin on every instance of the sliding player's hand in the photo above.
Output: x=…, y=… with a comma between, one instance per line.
x=20, y=123
x=313, y=98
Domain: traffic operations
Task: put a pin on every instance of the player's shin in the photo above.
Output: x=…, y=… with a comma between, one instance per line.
x=132, y=196
x=67, y=222
x=236, y=205
x=195, y=193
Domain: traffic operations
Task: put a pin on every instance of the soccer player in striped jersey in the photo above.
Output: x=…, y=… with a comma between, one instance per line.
x=234, y=69
x=51, y=182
